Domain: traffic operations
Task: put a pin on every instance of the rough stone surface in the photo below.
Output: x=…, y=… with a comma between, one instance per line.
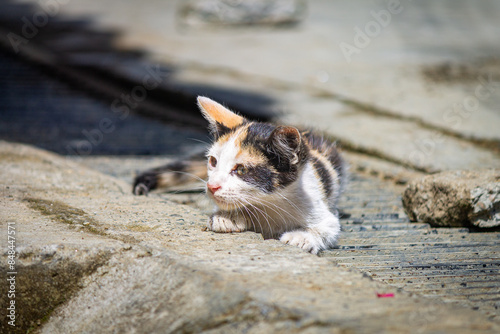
x=455, y=198
x=105, y=261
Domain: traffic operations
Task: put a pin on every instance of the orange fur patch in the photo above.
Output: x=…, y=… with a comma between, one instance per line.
x=247, y=155
x=218, y=113
x=250, y=156
x=240, y=136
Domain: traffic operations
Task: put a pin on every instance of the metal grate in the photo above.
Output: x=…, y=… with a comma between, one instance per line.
x=449, y=263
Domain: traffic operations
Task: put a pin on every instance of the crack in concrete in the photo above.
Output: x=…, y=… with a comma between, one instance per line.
x=74, y=217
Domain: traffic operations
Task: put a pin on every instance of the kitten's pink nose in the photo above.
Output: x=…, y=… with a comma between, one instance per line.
x=213, y=187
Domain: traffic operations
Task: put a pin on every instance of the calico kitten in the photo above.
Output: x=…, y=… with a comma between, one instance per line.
x=274, y=180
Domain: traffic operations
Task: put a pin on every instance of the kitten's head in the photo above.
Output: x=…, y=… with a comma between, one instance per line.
x=249, y=161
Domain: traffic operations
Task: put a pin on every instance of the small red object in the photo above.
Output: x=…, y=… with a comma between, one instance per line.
x=385, y=295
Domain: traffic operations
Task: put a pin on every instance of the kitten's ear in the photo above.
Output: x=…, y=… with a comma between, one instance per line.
x=221, y=119
x=286, y=140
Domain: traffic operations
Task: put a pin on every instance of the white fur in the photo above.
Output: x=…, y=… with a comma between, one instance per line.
x=321, y=227
x=231, y=185
x=298, y=214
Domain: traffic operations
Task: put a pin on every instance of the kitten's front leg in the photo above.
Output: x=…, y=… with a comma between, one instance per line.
x=304, y=240
x=223, y=223
x=317, y=236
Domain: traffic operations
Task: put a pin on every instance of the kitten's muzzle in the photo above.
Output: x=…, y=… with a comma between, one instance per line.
x=212, y=188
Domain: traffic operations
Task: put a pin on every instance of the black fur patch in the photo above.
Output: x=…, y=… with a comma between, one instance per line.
x=337, y=162
x=326, y=179
x=260, y=177
x=328, y=150
x=258, y=136
x=221, y=130
x=145, y=182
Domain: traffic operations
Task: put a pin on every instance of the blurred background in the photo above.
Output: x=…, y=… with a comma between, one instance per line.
x=412, y=83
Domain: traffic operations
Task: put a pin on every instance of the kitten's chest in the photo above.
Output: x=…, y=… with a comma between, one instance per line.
x=276, y=215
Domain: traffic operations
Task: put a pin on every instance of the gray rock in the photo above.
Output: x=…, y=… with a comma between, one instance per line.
x=455, y=198
x=486, y=204
x=241, y=12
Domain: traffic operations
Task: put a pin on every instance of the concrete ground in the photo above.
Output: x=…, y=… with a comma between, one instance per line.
x=92, y=258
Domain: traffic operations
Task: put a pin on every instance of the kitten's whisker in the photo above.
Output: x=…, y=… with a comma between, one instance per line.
x=200, y=141
x=278, y=210
x=291, y=203
x=189, y=174
x=281, y=195
x=250, y=214
x=283, y=214
x=199, y=191
x=265, y=216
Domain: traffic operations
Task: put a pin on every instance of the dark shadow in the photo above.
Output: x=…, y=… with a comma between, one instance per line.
x=62, y=77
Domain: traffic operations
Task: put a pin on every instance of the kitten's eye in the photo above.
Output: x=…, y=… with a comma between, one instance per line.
x=241, y=170
x=212, y=161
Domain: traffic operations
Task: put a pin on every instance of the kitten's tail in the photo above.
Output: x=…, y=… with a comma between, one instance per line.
x=173, y=174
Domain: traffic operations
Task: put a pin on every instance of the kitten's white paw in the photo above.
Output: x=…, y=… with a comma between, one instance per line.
x=222, y=224
x=304, y=240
